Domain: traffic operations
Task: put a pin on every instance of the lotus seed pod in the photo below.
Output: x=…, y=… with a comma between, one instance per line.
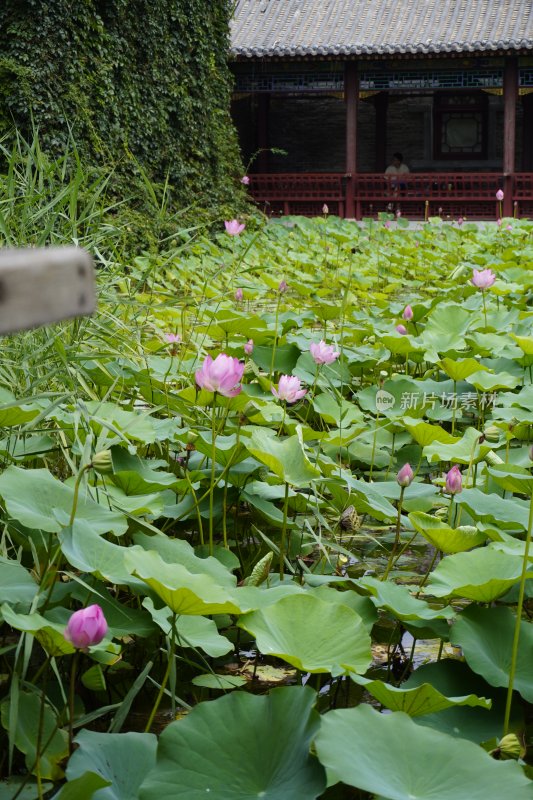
x=350, y=519
x=102, y=462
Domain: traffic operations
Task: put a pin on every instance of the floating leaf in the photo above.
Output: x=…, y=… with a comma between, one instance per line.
x=221, y=682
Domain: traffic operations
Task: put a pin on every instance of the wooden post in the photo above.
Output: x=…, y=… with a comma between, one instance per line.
x=263, y=105
x=527, y=133
x=351, y=93
x=510, y=94
x=38, y=286
x=381, y=104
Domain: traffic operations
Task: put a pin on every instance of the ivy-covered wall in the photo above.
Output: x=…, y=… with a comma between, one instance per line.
x=135, y=80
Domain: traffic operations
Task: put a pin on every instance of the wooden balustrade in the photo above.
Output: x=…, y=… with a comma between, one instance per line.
x=415, y=195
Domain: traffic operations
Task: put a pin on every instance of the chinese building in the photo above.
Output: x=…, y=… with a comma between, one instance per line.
x=326, y=91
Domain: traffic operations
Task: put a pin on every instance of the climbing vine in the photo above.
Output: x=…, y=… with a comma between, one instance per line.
x=142, y=85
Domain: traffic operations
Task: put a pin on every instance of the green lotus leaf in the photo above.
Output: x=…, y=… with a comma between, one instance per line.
x=31, y=717
x=40, y=501
x=400, y=601
x=221, y=682
x=462, y=451
x=182, y=591
x=312, y=635
x=107, y=755
x=487, y=382
x=241, y=747
x=482, y=575
x=191, y=631
x=512, y=478
x=416, y=701
x=486, y=637
x=17, y=586
x=425, y=434
x=449, y=540
x=285, y=457
x=491, y=508
x=49, y=634
x=365, y=749
x=452, y=677
x=460, y=369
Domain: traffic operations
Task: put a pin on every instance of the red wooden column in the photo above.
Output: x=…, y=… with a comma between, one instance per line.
x=510, y=95
x=351, y=93
x=381, y=104
x=263, y=104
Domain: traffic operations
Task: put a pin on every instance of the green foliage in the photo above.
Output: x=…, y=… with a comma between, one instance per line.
x=143, y=85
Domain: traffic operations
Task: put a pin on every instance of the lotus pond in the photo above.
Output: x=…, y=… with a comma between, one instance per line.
x=291, y=468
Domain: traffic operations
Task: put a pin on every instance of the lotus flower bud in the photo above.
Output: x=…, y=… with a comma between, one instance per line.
x=408, y=313
x=405, y=476
x=238, y=295
x=249, y=347
x=499, y=195
x=86, y=627
x=509, y=747
x=102, y=462
x=454, y=480
x=401, y=329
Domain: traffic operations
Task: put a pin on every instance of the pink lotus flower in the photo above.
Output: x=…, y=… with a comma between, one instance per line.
x=408, y=313
x=499, y=222
x=245, y=180
x=234, y=227
x=325, y=209
x=223, y=375
x=483, y=279
x=499, y=195
x=401, y=329
x=173, y=338
x=460, y=221
x=283, y=286
x=249, y=347
x=323, y=353
x=386, y=224
x=239, y=295
x=289, y=389
x=86, y=627
x=454, y=480
x=405, y=476
x=508, y=227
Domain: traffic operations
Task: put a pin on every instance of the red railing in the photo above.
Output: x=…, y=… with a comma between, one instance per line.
x=416, y=195
x=299, y=193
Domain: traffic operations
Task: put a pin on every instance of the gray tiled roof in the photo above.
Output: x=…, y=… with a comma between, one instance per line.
x=263, y=28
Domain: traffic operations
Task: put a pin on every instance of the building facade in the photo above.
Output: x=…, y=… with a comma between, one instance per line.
x=327, y=90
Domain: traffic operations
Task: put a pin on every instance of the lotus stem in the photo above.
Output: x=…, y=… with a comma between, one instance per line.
x=396, y=535
x=283, y=533
x=519, y=606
